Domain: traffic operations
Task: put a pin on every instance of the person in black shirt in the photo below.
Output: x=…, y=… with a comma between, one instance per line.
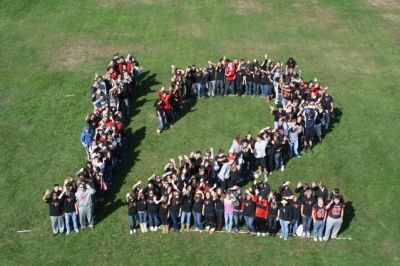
x=187, y=201
x=320, y=190
x=142, y=211
x=219, y=209
x=175, y=210
x=212, y=81
x=248, y=211
x=209, y=211
x=327, y=105
x=70, y=209
x=152, y=210
x=132, y=212
x=285, y=216
x=197, y=209
x=55, y=211
x=220, y=78
x=273, y=216
x=296, y=216
x=306, y=210
x=163, y=213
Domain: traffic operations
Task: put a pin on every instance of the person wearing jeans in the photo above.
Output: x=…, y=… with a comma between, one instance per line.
x=152, y=210
x=197, y=209
x=285, y=216
x=334, y=221
x=296, y=215
x=70, y=209
x=294, y=131
x=248, y=210
x=186, y=210
x=142, y=212
x=55, y=210
x=174, y=209
x=306, y=212
x=319, y=216
x=228, y=211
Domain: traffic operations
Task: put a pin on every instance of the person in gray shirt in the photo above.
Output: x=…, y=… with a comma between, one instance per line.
x=84, y=200
x=294, y=131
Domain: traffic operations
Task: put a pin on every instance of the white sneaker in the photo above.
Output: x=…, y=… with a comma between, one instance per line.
x=315, y=239
x=67, y=233
x=131, y=232
x=282, y=168
x=258, y=234
x=320, y=238
x=263, y=234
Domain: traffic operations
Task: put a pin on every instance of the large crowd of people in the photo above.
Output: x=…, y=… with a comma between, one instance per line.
x=276, y=81
x=72, y=204
x=208, y=188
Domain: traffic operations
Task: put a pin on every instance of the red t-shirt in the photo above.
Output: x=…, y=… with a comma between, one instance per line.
x=230, y=73
x=262, y=207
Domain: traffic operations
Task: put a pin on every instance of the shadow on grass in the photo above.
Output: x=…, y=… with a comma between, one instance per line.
x=349, y=214
x=130, y=150
x=186, y=108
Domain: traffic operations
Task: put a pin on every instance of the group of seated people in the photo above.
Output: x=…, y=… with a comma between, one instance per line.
x=208, y=189
x=102, y=139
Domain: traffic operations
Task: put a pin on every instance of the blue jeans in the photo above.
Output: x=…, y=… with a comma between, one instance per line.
x=319, y=228
x=185, y=218
x=249, y=88
x=68, y=216
x=219, y=87
x=278, y=159
x=256, y=89
x=160, y=123
x=306, y=224
x=142, y=217
x=57, y=224
x=237, y=216
x=318, y=131
x=153, y=219
x=293, y=148
x=132, y=221
x=293, y=226
x=277, y=95
x=268, y=90
x=263, y=90
x=249, y=222
x=174, y=218
x=228, y=221
x=198, y=89
x=285, y=228
x=197, y=220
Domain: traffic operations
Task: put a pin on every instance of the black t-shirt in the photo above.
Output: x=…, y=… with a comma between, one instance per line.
x=296, y=210
x=163, y=210
x=187, y=203
x=152, y=207
x=54, y=206
x=209, y=206
x=326, y=101
x=132, y=207
x=69, y=203
x=220, y=73
x=285, y=212
x=307, y=205
x=219, y=205
x=175, y=205
x=197, y=206
x=211, y=72
x=273, y=211
x=249, y=207
x=142, y=205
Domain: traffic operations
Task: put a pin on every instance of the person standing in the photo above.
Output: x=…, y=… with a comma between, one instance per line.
x=306, y=211
x=70, y=207
x=327, y=105
x=296, y=215
x=84, y=200
x=230, y=75
x=55, y=210
x=294, y=131
x=319, y=217
x=248, y=209
x=132, y=212
x=335, y=218
x=262, y=209
x=285, y=216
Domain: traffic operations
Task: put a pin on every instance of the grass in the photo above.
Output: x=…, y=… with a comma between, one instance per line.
x=52, y=49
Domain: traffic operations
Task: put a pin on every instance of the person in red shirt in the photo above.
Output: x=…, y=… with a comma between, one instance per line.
x=230, y=75
x=262, y=208
x=165, y=98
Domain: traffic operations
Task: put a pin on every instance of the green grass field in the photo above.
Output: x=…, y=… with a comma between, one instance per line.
x=51, y=49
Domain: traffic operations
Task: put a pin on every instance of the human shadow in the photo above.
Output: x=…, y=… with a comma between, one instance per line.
x=130, y=151
x=349, y=214
x=187, y=107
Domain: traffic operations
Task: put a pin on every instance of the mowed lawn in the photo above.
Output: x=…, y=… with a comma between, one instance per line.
x=50, y=50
